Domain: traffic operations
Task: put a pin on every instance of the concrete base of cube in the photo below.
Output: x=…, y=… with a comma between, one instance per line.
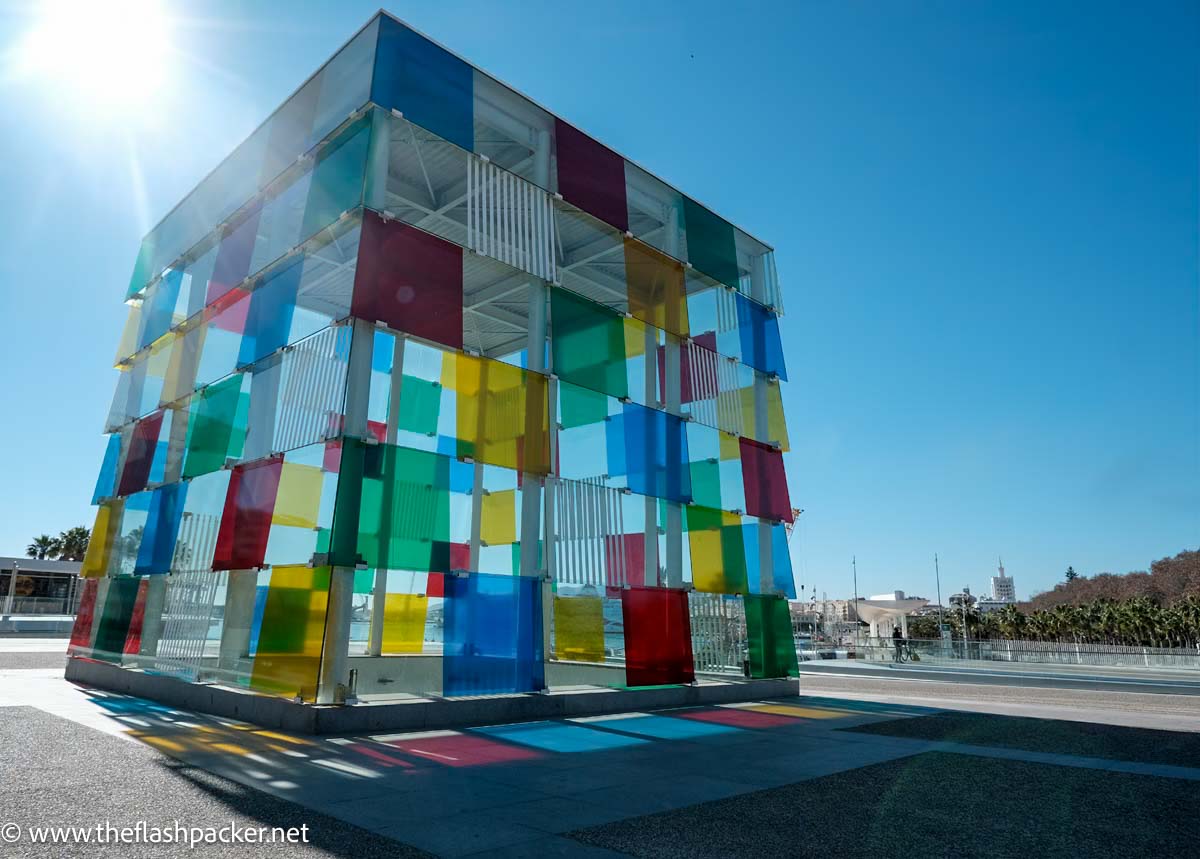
x=416, y=714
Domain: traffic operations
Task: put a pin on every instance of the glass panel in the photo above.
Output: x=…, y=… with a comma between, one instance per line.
x=765, y=481
x=410, y=281
x=114, y=623
x=761, y=347
x=157, y=548
x=345, y=83
x=158, y=309
x=106, y=481
x=655, y=286
x=81, y=631
x=710, y=243
x=246, y=520
x=588, y=344
x=269, y=318
x=404, y=617
x=655, y=452
x=96, y=558
x=337, y=179
x=769, y=635
x=717, y=551
x=590, y=175
x=298, y=500
x=233, y=259
x=658, y=638
x=142, y=446
x=288, y=128
x=579, y=628
x=493, y=635
x=214, y=412
x=287, y=656
x=425, y=82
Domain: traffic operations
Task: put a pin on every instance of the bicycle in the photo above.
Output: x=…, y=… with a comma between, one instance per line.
x=905, y=653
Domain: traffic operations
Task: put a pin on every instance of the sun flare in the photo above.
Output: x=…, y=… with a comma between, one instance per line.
x=111, y=59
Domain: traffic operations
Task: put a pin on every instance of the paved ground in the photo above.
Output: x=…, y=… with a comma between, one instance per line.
x=933, y=804
x=823, y=766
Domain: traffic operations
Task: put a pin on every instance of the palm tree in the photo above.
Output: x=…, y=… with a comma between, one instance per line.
x=43, y=546
x=73, y=543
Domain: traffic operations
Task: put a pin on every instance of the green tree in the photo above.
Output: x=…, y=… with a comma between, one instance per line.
x=42, y=547
x=1071, y=574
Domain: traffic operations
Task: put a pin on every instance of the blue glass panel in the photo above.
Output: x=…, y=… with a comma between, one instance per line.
x=426, y=83
x=462, y=476
x=781, y=559
x=157, y=548
x=106, y=481
x=614, y=444
x=559, y=737
x=493, y=635
x=260, y=607
x=759, y=330
x=656, y=453
x=269, y=318
x=159, y=311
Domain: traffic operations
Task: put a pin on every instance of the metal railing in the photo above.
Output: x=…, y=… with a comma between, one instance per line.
x=1034, y=653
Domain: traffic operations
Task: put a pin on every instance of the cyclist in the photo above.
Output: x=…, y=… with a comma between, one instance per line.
x=897, y=642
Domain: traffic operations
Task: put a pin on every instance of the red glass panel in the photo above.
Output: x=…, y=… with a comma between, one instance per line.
x=658, y=637
x=141, y=455
x=409, y=280
x=435, y=586
x=590, y=175
x=81, y=632
x=765, y=481
x=133, y=638
x=633, y=548
x=246, y=520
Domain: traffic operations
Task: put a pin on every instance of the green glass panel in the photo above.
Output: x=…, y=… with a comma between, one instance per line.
x=287, y=659
x=118, y=610
x=347, y=506
x=405, y=507
x=141, y=267
x=588, y=344
x=769, y=634
x=337, y=182
x=733, y=558
x=580, y=406
x=706, y=483
x=710, y=243
x=364, y=581
x=420, y=405
x=241, y=420
x=214, y=415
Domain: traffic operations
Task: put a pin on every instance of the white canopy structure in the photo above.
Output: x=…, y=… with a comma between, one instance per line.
x=875, y=610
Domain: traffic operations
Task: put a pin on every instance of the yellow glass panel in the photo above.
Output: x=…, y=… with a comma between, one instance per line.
x=579, y=628
x=499, y=518
x=708, y=573
x=181, y=368
x=635, y=338
x=730, y=447
x=404, y=623
x=299, y=497
x=288, y=659
x=776, y=425
x=129, y=335
x=502, y=413
x=95, y=559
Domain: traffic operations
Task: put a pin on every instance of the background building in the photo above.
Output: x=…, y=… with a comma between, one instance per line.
x=425, y=382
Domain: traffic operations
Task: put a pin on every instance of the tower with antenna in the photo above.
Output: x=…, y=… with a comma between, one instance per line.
x=1003, y=588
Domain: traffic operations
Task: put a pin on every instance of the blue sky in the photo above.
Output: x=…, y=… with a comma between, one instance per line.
x=984, y=215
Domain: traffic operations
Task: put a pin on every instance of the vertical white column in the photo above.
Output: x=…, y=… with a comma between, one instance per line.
x=378, y=159
x=331, y=688
x=531, y=484
x=239, y=617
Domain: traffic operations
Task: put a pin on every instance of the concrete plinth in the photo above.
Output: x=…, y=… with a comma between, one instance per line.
x=418, y=714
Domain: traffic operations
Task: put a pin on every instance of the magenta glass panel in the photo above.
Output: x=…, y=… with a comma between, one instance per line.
x=409, y=280
x=765, y=481
x=591, y=176
x=142, y=445
x=246, y=520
